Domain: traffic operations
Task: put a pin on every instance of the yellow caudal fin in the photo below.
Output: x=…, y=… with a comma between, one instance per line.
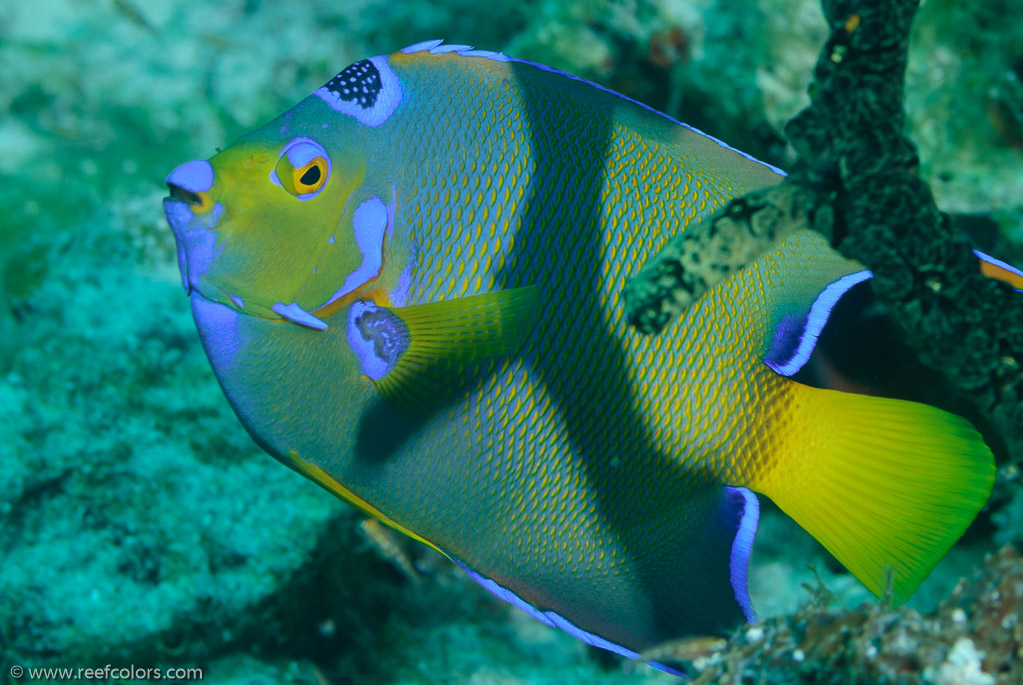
x=881, y=483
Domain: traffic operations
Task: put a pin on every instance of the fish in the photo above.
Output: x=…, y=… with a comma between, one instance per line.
x=686, y=649
x=388, y=544
x=409, y=287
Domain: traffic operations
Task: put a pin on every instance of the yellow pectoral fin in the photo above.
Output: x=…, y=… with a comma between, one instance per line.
x=422, y=353
x=320, y=477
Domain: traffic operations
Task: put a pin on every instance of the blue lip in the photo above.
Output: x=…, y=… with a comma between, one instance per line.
x=196, y=239
x=195, y=176
x=178, y=218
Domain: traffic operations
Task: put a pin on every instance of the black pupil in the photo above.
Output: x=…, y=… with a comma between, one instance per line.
x=311, y=175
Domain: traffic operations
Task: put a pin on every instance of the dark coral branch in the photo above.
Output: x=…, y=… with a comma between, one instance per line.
x=699, y=258
x=857, y=181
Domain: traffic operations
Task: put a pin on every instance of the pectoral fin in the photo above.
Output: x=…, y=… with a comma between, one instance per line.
x=424, y=352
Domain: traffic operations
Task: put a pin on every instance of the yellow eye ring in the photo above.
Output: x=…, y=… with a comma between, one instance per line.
x=303, y=168
x=310, y=177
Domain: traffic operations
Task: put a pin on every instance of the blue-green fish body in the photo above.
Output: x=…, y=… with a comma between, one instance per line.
x=409, y=287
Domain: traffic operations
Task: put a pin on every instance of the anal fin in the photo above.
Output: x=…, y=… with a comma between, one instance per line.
x=692, y=582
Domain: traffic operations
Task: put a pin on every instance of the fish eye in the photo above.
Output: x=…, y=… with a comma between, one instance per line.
x=310, y=177
x=303, y=168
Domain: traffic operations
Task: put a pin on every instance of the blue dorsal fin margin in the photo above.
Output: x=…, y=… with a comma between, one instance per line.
x=436, y=47
x=796, y=335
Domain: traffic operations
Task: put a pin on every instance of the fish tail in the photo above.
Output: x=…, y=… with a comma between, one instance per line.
x=887, y=486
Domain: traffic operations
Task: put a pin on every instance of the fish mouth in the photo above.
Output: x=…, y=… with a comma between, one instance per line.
x=198, y=203
x=179, y=194
x=190, y=184
x=179, y=211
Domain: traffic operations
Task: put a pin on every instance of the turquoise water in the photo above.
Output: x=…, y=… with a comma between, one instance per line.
x=139, y=525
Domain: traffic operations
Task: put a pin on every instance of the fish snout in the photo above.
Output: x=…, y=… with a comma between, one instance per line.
x=191, y=215
x=190, y=184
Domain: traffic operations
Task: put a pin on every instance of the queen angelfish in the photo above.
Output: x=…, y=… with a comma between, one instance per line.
x=410, y=289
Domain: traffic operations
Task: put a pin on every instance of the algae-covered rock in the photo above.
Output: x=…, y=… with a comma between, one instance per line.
x=132, y=500
x=972, y=638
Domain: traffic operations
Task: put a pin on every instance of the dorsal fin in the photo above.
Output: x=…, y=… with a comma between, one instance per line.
x=438, y=47
x=801, y=282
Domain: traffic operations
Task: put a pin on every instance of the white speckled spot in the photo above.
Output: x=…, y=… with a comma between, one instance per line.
x=378, y=338
x=387, y=99
x=372, y=366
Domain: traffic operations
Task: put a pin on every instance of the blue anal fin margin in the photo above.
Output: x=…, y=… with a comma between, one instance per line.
x=796, y=335
x=554, y=620
x=743, y=504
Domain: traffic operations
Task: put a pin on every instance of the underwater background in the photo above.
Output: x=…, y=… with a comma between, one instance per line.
x=140, y=525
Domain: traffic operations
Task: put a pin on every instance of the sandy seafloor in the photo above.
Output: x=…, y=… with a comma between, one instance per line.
x=140, y=525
